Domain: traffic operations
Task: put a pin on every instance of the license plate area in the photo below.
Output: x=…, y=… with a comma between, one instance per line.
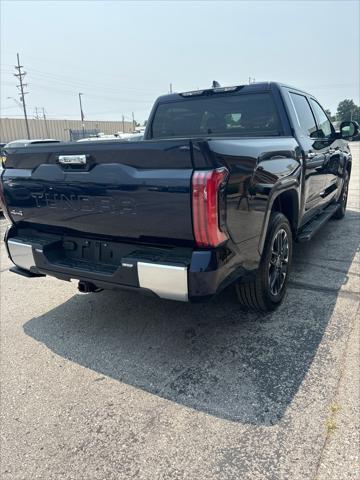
x=94, y=258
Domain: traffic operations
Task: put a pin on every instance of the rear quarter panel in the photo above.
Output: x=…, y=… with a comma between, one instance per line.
x=260, y=170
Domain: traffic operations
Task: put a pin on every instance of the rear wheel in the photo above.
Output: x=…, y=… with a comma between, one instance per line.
x=268, y=289
x=340, y=212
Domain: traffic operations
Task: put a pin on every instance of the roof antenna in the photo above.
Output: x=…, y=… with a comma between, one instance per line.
x=215, y=84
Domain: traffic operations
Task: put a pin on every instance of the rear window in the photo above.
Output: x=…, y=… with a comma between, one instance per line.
x=231, y=115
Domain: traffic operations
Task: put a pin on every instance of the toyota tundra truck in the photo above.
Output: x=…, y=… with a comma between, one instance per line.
x=222, y=185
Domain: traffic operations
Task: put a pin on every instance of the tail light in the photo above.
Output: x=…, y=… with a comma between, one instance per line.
x=206, y=197
x=3, y=206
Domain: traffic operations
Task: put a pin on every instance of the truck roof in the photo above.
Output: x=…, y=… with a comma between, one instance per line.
x=252, y=87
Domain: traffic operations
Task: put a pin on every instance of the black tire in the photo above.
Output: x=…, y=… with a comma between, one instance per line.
x=262, y=293
x=340, y=212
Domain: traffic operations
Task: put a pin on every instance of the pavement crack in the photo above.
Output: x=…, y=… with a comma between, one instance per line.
x=326, y=267
x=318, y=288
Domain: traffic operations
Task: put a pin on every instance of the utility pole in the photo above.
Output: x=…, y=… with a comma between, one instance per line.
x=170, y=91
x=133, y=120
x=46, y=125
x=20, y=75
x=82, y=115
x=123, y=124
x=36, y=114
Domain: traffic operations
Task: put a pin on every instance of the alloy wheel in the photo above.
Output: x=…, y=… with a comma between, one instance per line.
x=279, y=261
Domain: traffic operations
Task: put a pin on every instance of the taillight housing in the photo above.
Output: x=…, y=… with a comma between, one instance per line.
x=207, y=189
x=3, y=206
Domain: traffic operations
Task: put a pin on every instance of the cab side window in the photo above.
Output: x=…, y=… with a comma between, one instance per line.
x=304, y=114
x=323, y=122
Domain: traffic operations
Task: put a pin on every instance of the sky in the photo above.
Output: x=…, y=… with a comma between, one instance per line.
x=122, y=55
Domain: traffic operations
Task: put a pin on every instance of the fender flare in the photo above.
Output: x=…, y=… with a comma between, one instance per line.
x=284, y=185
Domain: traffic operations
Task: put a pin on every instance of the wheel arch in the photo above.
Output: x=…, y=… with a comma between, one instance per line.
x=287, y=202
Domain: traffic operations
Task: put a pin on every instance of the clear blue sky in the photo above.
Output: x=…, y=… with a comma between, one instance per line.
x=122, y=55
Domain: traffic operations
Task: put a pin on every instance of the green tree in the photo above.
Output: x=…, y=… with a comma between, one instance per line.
x=347, y=110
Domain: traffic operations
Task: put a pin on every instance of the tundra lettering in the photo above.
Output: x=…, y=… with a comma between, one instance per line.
x=83, y=203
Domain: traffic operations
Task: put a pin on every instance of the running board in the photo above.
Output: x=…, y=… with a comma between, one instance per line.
x=311, y=228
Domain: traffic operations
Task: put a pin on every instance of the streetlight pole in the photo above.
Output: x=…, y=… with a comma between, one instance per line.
x=82, y=115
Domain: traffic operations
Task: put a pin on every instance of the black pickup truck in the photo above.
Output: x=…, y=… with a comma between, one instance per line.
x=223, y=183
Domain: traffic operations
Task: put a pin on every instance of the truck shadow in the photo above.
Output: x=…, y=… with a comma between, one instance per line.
x=210, y=357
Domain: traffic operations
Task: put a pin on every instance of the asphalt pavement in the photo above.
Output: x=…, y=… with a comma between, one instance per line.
x=115, y=385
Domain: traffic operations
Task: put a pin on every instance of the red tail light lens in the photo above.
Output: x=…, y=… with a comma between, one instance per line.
x=206, y=186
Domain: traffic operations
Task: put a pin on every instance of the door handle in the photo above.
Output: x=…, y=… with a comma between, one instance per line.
x=311, y=155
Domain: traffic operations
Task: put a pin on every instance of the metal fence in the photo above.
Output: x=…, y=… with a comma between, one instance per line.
x=15, y=129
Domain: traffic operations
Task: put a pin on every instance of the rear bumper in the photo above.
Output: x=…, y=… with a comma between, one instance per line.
x=21, y=254
x=189, y=277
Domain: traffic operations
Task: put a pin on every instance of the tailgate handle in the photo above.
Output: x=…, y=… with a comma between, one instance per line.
x=72, y=159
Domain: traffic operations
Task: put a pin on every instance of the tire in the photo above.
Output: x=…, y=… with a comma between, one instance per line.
x=267, y=290
x=340, y=212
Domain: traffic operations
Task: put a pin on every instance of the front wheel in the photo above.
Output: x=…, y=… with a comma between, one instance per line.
x=268, y=289
x=340, y=212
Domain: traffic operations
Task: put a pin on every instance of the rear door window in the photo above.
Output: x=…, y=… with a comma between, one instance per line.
x=304, y=114
x=324, y=125
x=229, y=114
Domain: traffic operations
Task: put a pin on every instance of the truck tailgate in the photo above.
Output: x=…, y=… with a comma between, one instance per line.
x=139, y=190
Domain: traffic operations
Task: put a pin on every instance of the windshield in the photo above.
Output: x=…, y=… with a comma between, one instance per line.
x=230, y=114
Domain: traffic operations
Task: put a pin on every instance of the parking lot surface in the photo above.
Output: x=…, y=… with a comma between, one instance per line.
x=120, y=386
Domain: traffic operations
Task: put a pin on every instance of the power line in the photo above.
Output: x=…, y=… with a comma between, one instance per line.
x=20, y=75
x=82, y=83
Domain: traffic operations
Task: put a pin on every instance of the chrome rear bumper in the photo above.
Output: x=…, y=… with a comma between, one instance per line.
x=166, y=281
x=21, y=254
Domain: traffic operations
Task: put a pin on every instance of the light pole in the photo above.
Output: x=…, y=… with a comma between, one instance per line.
x=82, y=115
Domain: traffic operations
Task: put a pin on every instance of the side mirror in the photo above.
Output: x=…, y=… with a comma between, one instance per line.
x=349, y=129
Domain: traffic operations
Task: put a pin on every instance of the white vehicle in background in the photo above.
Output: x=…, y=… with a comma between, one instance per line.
x=117, y=136
x=27, y=142
x=130, y=136
x=98, y=137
